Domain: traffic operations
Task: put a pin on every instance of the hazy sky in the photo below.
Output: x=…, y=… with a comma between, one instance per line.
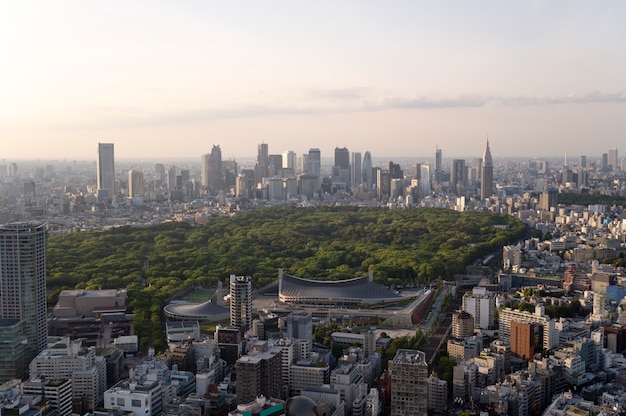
x=398, y=78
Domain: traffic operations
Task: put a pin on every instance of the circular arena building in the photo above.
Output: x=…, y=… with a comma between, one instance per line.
x=350, y=292
x=203, y=312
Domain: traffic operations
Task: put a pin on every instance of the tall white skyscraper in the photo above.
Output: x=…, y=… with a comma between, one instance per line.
x=23, y=287
x=106, y=168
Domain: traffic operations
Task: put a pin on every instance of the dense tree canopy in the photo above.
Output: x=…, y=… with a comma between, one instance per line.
x=400, y=246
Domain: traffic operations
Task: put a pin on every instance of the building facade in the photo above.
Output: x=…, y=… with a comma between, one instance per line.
x=23, y=282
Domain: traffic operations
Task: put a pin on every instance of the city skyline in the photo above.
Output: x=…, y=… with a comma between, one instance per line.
x=166, y=79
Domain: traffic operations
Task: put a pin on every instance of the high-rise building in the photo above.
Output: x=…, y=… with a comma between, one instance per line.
x=438, y=166
x=212, y=172
x=106, y=169
x=135, y=183
x=368, y=179
x=613, y=164
x=409, y=387
x=23, y=282
x=289, y=160
x=314, y=163
x=342, y=157
x=240, y=302
x=582, y=162
x=356, y=169
x=258, y=373
x=486, y=182
x=261, y=169
x=457, y=176
x=605, y=162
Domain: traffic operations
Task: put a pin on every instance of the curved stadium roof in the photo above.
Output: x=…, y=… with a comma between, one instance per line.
x=359, y=290
x=207, y=311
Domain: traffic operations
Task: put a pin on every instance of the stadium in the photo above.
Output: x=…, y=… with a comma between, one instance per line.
x=350, y=292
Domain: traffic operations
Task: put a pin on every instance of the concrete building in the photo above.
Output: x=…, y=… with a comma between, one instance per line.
x=437, y=394
x=462, y=324
x=23, y=291
x=240, y=302
x=258, y=373
x=486, y=182
x=105, y=170
x=481, y=304
x=550, y=333
x=57, y=391
x=409, y=388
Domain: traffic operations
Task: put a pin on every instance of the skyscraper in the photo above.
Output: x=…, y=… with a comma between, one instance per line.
x=261, y=169
x=486, y=182
x=438, y=166
x=613, y=165
x=106, y=169
x=368, y=179
x=212, y=172
x=457, y=176
x=23, y=283
x=357, y=171
x=135, y=183
x=240, y=302
x=314, y=162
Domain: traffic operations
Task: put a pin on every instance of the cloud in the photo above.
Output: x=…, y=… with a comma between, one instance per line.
x=589, y=98
x=333, y=101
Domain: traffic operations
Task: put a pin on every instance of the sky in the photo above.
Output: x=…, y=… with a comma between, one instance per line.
x=396, y=78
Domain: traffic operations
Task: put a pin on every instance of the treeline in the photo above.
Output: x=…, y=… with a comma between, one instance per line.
x=156, y=262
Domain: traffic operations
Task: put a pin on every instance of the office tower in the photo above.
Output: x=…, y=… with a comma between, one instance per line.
x=240, y=302
x=159, y=174
x=342, y=157
x=613, y=165
x=276, y=165
x=12, y=169
x=417, y=171
x=300, y=326
x=424, y=181
x=476, y=170
x=106, y=169
x=486, y=182
x=261, y=169
x=383, y=184
x=341, y=168
x=230, y=171
x=171, y=178
x=368, y=180
x=356, y=169
x=583, y=162
x=457, y=176
x=409, y=388
x=23, y=282
x=314, y=162
x=549, y=200
x=135, y=183
x=605, y=162
x=438, y=166
x=437, y=393
x=29, y=192
x=212, y=172
x=289, y=160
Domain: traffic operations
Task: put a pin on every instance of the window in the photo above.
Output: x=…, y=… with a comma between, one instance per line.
x=136, y=403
